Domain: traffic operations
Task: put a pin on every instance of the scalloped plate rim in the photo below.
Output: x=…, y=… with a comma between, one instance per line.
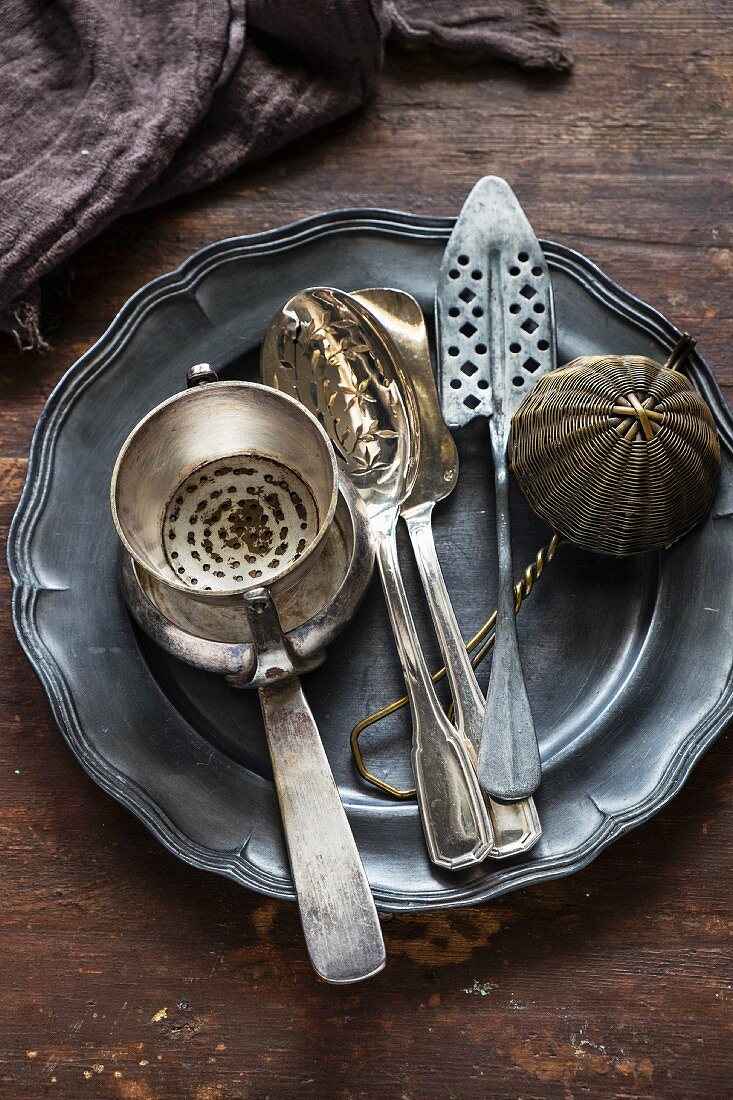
x=25, y=584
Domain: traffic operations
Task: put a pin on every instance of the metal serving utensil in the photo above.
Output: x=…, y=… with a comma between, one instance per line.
x=312, y=614
x=322, y=350
x=494, y=310
x=515, y=825
x=207, y=502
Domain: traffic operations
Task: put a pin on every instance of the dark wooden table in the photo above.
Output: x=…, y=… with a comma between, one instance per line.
x=127, y=974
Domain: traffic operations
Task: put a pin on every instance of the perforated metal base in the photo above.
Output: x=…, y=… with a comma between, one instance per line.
x=236, y=520
x=494, y=308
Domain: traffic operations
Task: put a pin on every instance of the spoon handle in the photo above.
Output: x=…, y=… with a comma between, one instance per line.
x=337, y=910
x=456, y=825
x=509, y=760
x=516, y=825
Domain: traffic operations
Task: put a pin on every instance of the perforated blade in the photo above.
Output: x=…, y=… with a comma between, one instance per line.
x=494, y=308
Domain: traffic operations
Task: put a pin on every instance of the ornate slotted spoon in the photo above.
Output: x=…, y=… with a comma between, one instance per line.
x=321, y=349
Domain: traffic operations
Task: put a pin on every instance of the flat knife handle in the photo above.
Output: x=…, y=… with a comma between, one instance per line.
x=509, y=760
x=456, y=825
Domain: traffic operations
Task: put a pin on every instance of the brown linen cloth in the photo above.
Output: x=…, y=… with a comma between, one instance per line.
x=110, y=105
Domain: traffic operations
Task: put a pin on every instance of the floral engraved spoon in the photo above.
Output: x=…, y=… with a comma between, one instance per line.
x=320, y=349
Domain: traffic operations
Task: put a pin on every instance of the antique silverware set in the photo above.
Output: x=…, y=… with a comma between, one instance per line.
x=252, y=515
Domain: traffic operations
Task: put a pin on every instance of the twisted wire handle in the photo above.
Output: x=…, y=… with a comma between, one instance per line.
x=482, y=641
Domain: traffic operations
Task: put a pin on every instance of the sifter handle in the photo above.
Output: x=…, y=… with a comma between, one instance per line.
x=337, y=910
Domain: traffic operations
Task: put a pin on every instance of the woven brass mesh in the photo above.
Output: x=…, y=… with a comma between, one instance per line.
x=617, y=453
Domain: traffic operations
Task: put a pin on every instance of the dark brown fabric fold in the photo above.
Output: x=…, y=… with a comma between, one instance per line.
x=523, y=31
x=109, y=105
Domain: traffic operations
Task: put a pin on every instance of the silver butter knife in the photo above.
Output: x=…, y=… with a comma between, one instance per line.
x=496, y=336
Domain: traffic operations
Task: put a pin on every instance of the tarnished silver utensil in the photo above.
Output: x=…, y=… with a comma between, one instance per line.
x=206, y=500
x=515, y=825
x=494, y=311
x=321, y=349
x=312, y=614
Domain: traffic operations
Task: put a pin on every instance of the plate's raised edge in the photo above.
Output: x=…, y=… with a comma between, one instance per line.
x=26, y=583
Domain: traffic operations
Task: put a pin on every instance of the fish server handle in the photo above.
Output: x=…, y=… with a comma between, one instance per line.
x=337, y=910
x=457, y=828
x=509, y=759
x=516, y=826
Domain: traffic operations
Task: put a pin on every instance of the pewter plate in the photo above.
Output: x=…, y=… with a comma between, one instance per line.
x=628, y=664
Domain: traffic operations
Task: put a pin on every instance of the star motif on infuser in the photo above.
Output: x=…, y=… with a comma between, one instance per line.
x=630, y=414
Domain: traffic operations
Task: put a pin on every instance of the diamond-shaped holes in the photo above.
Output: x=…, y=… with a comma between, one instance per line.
x=529, y=325
x=468, y=329
x=528, y=291
x=467, y=295
x=530, y=365
x=469, y=369
x=471, y=402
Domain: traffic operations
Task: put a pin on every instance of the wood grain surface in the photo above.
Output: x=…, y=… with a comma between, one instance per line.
x=126, y=974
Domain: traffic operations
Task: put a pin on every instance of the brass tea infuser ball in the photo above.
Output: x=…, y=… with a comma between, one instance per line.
x=617, y=453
